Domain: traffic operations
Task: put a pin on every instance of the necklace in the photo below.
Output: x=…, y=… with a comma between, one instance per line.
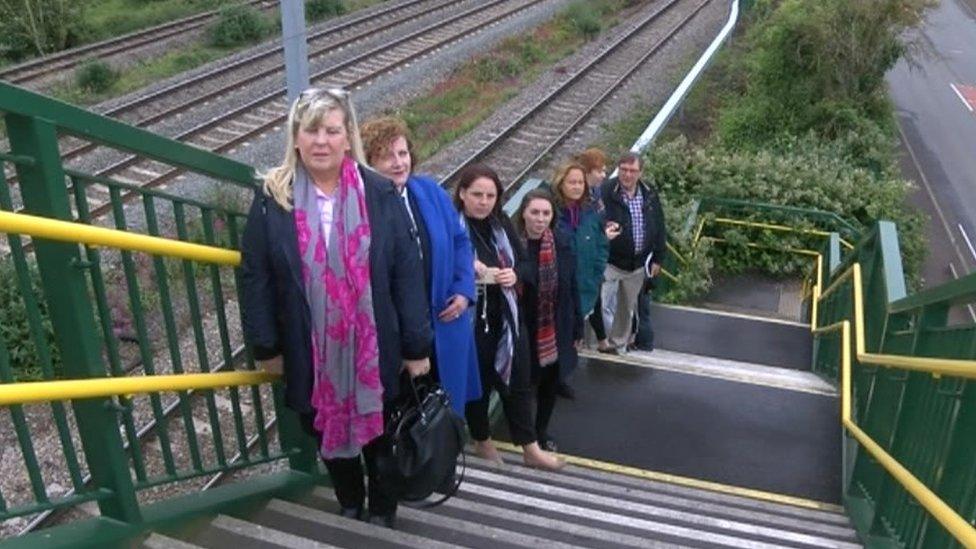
x=481, y=287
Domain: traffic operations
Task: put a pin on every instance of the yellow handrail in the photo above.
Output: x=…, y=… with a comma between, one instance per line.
x=775, y=227
x=66, y=231
x=815, y=294
x=800, y=251
x=947, y=516
x=48, y=391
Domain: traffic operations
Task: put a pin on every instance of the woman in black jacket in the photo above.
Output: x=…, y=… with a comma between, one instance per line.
x=329, y=283
x=499, y=329
x=551, y=304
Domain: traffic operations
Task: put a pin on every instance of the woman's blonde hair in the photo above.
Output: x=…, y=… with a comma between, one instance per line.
x=308, y=111
x=560, y=176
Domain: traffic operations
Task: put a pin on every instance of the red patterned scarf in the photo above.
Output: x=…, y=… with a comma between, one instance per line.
x=545, y=334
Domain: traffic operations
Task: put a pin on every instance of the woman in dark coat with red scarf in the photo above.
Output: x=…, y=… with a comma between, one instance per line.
x=551, y=303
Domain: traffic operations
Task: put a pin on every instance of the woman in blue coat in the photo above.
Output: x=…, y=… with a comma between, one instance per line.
x=448, y=261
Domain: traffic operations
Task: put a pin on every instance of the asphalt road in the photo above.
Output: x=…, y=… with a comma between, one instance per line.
x=935, y=100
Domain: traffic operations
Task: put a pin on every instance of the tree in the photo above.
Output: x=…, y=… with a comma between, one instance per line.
x=38, y=26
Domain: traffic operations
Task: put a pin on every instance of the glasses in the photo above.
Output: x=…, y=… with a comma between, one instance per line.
x=338, y=94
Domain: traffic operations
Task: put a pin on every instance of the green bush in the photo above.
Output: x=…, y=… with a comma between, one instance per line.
x=238, y=25
x=493, y=68
x=817, y=66
x=805, y=172
x=95, y=76
x=584, y=19
x=694, y=277
x=14, y=327
x=316, y=10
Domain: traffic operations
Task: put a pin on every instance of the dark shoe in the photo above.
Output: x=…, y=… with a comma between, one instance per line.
x=608, y=351
x=564, y=390
x=386, y=521
x=355, y=513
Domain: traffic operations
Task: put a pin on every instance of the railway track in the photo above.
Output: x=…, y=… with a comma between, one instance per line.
x=172, y=101
x=27, y=73
x=263, y=113
x=258, y=115
x=523, y=145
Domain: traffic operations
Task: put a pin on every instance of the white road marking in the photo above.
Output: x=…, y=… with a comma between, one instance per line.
x=969, y=243
x=961, y=97
x=931, y=193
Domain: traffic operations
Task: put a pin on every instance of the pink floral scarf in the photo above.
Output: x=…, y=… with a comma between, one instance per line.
x=347, y=393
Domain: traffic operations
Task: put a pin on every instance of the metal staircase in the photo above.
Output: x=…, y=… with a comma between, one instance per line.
x=514, y=506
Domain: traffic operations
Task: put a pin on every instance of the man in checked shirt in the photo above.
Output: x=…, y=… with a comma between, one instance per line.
x=634, y=255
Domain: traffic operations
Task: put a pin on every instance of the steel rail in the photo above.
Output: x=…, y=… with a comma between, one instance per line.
x=587, y=69
x=279, y=94
x=69, y=58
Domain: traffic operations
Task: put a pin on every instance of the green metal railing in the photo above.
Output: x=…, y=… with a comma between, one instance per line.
x=923, y=419
x=769, y=227
x=123, y=313
x=926, y=421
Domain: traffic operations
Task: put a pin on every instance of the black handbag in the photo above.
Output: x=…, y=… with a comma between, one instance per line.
x=426, y=438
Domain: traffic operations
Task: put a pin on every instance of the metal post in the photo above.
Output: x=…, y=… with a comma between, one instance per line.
x=296, y=46
x=65, y=287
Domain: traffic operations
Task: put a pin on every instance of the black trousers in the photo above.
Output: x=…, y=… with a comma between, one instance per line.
x=596, y=319
x=547, y=380
x=516, y=397
x=347, y=473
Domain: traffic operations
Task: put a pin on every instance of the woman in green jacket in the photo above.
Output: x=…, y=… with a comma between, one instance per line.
x=579, y=216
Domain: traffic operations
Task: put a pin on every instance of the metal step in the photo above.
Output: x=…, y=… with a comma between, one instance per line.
x=635, y=516
x=510, y=506
x=433, y=524
x=831, y=523
x=824, y=514
x=515, y=520
x=225, y=531
x=159, y=541
x=757, y=340
x=328, y=527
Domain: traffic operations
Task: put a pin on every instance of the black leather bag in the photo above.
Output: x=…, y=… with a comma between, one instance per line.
x=427, y=442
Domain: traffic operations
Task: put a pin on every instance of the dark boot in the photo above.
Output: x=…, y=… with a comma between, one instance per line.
x=355, y=513
x=386, y=521
x=564, y=390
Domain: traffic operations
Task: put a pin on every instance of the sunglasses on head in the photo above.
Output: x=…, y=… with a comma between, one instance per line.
x=338, y=94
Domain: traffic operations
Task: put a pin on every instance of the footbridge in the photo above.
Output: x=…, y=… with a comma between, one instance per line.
x=137, y=417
